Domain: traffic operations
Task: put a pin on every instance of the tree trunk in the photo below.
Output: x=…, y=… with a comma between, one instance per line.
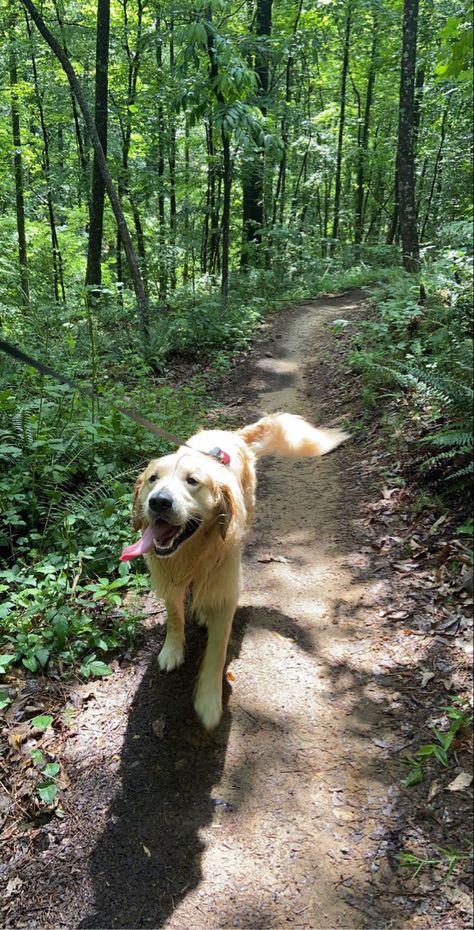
x=226, y=163
x=364, y=142
x=436, y=171
x=253, y=172
x=172, y=169
x=340, y=137
x=58, y=277
x=162, y=274
x=81, y=152
x=18, y=166
x=186, y=203
x=406, y=132
x=96, y=207
x=112, y=193
x=124, y=186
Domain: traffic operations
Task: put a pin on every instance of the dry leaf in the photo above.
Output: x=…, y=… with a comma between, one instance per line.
x=462, y=781
x=426, y=677
x=435, y=788
x=13, y=886
x=458, y=896
x=146, y=851
x=268, y=557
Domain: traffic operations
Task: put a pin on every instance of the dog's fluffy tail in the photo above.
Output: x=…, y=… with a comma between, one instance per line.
x=286, y=434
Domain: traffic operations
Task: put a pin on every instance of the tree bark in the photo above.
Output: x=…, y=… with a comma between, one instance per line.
x=226, y=162
x=162, y=274
x=96, y=206
x=124, y=185
x=363, y=142
x=91, y=128
x=436, y=171
x=280, y=193
x=172, y=169
x=18, y=167
x=340, y=137
x=58, y=277
x=253, y=172
x=406, y=138
x=82, y=155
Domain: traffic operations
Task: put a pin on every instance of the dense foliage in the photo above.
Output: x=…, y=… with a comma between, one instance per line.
x=254, y=150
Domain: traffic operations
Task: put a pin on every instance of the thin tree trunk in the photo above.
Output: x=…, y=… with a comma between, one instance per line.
x=226, y=165
x=112, y=193
x=340, y=137
x=124, y=187
x=186, y=204
x=406, y=132
x=96, y=208
x=280, y=194
x=172, y=170
x=436, y=169
x=364, y=141
x=162, y=275
x=253, y=172
x=18, y=166
x=58, y=277
x=81, y=152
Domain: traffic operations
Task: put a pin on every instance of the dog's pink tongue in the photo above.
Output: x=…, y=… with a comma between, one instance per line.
x=143, y=545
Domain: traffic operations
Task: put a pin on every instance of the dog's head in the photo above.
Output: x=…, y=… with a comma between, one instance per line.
x=179, y=495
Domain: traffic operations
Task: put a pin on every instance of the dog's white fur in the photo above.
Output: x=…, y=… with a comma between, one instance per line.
x=221, y=497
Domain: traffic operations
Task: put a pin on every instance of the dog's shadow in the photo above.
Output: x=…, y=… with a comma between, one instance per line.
x=149, y=856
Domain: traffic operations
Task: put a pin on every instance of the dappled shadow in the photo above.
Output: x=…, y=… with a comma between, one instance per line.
x=386, y=714
x=149, y=856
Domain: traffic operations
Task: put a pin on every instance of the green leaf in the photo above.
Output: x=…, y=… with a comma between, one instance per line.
x=42, y=722
x=60, y=626
x=51, y=769
x=47, y=793
x=30, y=663
x=94, y=667
x=5, y=661
x=441, y=755
x=37, y=757
x=42, y=655
x=5, y=700
x=413, y=777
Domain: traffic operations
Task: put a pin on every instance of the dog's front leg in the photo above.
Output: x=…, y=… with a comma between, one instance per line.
x=208, y=697
x=172, y=654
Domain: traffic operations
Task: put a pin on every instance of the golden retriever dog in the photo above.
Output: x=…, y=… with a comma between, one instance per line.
x=194, y=508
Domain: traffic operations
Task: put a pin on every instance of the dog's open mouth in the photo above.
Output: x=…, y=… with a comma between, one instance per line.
x=163, y=537
x=167, y=537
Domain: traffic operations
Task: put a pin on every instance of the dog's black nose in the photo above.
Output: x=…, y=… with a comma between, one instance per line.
x=161, y=501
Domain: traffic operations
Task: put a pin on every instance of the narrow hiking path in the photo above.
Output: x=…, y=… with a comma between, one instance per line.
x=288, y=815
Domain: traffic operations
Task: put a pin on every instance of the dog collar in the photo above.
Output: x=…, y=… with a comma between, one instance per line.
x=220, y=455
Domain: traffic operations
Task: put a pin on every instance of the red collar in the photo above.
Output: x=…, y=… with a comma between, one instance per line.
x=220, y=455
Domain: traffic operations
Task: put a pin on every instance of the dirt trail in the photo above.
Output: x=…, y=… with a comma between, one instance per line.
x=281, y=818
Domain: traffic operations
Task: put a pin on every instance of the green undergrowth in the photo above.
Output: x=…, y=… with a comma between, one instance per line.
x=415, y=357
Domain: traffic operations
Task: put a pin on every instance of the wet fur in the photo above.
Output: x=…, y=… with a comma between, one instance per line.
x=209, y=562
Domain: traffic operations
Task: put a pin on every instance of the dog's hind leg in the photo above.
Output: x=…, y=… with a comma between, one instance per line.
x=208, y=696
x=172, y=653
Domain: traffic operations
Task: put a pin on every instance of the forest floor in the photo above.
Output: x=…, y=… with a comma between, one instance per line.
x=343, y=654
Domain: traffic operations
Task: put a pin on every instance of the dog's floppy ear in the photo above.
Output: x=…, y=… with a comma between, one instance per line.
x=229, y=510
x=137, y=511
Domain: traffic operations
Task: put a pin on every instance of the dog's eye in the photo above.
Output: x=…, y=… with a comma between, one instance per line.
x=192, y=481
x=152, y=478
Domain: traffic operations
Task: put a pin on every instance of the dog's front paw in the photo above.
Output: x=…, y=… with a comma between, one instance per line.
x=171, y=656
x=208, y=705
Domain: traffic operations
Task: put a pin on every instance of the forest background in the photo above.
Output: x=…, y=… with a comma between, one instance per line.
x=170, y=172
